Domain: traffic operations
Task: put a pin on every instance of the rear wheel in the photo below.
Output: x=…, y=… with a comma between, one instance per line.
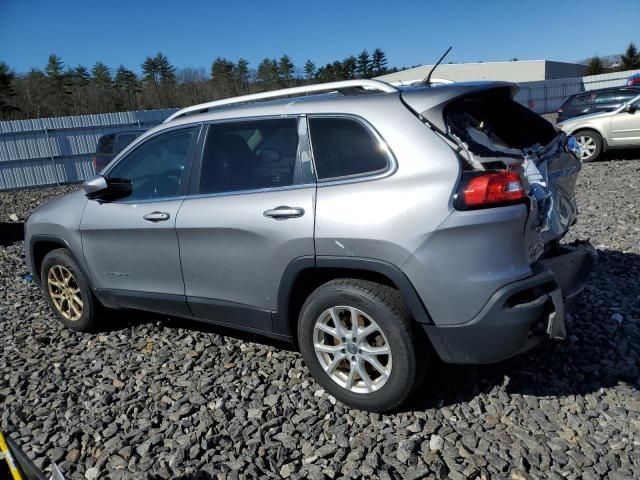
x=590, y=143
x=68, y=291
x=357, y=340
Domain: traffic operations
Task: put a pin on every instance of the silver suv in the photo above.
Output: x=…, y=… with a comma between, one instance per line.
x=367, y=223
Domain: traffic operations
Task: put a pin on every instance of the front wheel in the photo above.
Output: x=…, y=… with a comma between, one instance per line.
x=590, y=144
x=68, y=291
x=357, y=340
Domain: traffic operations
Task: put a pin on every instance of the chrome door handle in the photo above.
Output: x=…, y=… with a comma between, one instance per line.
x=157, y=217
x=284, y=212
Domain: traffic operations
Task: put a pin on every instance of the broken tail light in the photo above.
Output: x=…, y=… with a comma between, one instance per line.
x=489, y=189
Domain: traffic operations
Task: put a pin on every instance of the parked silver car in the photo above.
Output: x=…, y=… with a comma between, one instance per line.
x=598, y=132
x=367, y=223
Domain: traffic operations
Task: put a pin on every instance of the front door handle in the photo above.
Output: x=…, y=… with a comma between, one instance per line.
x=284, y=212
x=157, y=217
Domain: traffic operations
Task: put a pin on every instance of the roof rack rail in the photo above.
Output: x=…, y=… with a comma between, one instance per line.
x=286, y=92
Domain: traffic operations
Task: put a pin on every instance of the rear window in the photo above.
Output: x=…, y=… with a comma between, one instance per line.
x=580, y=99
x=105, y=144
x=344, y=147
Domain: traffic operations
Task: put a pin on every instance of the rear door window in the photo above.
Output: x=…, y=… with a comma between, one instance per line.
x=605, y=97
x=249, y=155
x=344, y=147
x=626, y=95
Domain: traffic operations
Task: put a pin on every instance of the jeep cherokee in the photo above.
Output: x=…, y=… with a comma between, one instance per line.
x=364, y=222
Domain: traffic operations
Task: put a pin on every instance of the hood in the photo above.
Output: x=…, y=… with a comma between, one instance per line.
x=573, y=122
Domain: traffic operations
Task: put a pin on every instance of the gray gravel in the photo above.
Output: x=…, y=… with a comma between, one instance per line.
x=159, y=398
x=15, y=205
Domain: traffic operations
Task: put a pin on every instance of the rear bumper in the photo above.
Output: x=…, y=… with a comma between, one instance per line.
x=519, y=315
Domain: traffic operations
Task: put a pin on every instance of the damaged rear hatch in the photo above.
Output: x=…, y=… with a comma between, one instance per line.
x=492, y=132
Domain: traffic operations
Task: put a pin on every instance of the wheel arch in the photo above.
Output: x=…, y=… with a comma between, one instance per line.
x=305, y=274
x=41, y=245
x=590, y=128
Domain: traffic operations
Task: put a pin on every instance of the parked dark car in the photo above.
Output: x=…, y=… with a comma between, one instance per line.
x=633, y=80
x=112, y=144
x=596, y=101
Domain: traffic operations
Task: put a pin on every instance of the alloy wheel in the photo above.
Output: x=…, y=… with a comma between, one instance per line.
x=587, y=146
x=65, y=292
x=352, y=349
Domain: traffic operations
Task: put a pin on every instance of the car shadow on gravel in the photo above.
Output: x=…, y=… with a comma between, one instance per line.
x=602, y=348
x=11, y=233
x=621, y=154
x=122, y=319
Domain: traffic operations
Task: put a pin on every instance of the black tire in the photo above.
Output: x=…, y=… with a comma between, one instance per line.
x=593, y=137
x=90, y=309
x=383, y=304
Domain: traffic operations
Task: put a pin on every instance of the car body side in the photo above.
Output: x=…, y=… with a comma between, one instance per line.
x=398, y=226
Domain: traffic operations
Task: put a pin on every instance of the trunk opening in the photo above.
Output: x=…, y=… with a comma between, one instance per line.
x=495, y=133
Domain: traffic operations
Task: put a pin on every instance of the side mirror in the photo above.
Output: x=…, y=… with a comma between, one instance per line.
x=99, y=188
x=630, y=108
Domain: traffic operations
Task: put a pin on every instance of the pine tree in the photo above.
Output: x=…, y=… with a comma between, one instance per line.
x=166, y=71
x=55, y=68
x=349, y=68
x=630, y=59
x=286, y=70
x=595, y=66
x=101, y=75
x=222, y=76
x=7, y=91
x=364, y=65
x=127, y=87
x=125, y=78
x=309, y=70
x=150, y=71
x=378, y=62
x=241, y=75
x=80, y=76
x=267, y=74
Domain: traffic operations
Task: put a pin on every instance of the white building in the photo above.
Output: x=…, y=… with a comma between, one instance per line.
x=515, y=71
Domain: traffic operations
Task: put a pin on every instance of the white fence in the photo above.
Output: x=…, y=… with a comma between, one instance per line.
x=50, y=151
x=547, y=96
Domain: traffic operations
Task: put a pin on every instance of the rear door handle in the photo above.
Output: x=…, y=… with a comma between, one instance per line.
x=157, y=217
x=284, y=212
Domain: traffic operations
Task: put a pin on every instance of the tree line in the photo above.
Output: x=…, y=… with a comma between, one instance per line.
x=60, y=90
x=629, y=60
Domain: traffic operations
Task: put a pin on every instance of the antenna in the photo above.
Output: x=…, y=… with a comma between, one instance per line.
x=427, y=79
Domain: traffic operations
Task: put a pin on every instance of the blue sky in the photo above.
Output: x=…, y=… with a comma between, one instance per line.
x=194, y=32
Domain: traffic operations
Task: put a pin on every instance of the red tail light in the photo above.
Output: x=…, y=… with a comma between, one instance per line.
x=94, y=162
x=490, y=189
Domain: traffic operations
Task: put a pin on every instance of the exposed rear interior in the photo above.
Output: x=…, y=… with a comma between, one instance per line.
x=493, y=128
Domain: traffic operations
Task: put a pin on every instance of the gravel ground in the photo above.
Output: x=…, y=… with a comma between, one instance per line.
x=159, y=398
